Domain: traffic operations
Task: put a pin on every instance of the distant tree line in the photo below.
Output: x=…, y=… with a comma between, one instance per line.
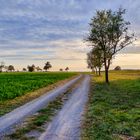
x=7, y=68
x=30, y=68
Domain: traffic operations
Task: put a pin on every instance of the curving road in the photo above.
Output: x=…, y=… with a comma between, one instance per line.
x=9, y=120
x=66, y=125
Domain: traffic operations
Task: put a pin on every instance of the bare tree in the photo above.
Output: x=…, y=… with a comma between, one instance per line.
x=109, y=33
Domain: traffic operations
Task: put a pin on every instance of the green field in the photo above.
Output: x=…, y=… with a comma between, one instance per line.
x=16, y=84
x=113, y=111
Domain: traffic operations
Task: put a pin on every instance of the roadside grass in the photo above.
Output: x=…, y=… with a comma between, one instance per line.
x=41, y=118
x=113, y=111
x=37, y=83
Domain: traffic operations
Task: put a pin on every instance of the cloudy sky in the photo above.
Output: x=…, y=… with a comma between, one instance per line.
x=36, y=31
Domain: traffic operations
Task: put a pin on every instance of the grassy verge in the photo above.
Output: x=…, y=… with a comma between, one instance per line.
x=33, y=126
x=10, y=104
x=113, y=112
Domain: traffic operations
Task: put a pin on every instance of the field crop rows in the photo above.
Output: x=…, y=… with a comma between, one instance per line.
x=16, y=84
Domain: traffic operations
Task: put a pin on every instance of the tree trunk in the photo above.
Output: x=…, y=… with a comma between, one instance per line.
x=106, y=75
x=96, y=71
x=106, y=71
x=99, y=71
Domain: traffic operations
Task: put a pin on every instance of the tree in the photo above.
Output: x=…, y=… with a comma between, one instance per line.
x=95, y=60
x=47, y=66
x=38, y=68
x=31, y=68
x=24, y=69
x=61, y=69
x=90, y=62
x=11, y=68
x=98, y=56
x=109, y=33
x=117, y=68
x=6, y=68
x=2, y=64
x=67, y=68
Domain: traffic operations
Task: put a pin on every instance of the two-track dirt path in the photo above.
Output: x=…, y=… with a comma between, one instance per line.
x=66, y=125
x=9, y=120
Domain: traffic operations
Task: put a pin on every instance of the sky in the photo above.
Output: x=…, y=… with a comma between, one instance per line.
x=36, y=31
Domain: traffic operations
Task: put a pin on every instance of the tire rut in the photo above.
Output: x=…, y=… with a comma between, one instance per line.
x=66, y=125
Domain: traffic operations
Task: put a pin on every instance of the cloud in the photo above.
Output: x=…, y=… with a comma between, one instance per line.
x=53, y=29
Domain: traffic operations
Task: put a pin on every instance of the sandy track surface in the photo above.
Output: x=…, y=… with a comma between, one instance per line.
x=66, y=125
x=10, y=119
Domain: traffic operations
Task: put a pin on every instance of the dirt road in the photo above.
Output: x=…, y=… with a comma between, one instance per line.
x=9, y=120
x=66, y=125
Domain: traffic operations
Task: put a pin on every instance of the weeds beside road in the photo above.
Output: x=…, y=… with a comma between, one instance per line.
x=113, y=112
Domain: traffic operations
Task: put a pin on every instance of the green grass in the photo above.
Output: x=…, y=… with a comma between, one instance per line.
x=113, y=112
x=16, y=84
